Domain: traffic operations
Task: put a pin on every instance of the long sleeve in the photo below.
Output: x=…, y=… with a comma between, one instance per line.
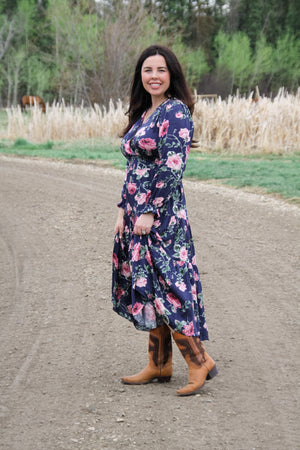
x=175, y=133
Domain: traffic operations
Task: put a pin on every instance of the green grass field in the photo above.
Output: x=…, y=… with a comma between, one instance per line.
x=273, y=174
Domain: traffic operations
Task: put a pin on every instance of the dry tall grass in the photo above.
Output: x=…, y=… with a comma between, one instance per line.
x=241, y=125
x=66, y=123
x=236, y=125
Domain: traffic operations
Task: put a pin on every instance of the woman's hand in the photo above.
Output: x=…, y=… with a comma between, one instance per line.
x=119, y=227
x=143, y=224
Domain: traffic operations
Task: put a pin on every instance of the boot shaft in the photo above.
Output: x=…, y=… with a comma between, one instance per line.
x=191, y=348
x=160, y=346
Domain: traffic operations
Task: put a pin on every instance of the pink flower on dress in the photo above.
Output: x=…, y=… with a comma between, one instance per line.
x=194, y=292
x=119, y=292
x=181, y=214
x=125, y=269
x=189, y=329
x=115, y=260
x=174, y=162
x=130, y=245
x=148, y=257
x=159, y=306
x=183, y=254
x=148, y=195
x=140, y=198
x=194, y=260
x=160, y=184
x=187, y=150
x=140, y=132
x=181, y=286
x=131, y=188
x=172, y=220
x=163, y=129
x=179, y=115
x=129, y=309
x=128, y=209
x=162, y=250
x=137, y=308
x=147, y=144
x=136, y=252
x=141, y=282
x=149, y=312
x=184, y=134
x=196, y=276
x=127, y=148
x=141, y=172
x=173, y=300
x=158, y=201
x=161, y=280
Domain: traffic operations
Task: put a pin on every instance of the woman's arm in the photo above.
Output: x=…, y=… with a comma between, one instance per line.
x=119, y=226
x=175, y=137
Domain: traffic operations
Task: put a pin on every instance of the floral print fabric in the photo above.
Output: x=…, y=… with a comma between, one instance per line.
x=155, y=277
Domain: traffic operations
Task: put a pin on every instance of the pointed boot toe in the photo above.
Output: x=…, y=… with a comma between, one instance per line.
x=201, y=366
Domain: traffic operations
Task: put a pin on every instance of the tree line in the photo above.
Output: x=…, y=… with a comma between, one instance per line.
x=84, y=51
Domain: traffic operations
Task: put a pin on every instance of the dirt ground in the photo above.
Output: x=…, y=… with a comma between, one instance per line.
x=63, y=350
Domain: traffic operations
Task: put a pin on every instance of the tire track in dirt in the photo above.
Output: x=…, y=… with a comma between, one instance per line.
x=15, y=314
x=61, y=389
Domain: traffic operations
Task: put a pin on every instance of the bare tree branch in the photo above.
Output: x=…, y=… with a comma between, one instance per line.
x=7, y=33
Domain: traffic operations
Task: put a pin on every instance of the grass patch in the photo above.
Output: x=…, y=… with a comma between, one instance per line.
x=92, y=149
x=270, y=173
x=274, y=174
x=25, y=145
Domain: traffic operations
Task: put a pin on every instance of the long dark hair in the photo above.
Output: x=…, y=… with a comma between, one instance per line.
x=140, y=99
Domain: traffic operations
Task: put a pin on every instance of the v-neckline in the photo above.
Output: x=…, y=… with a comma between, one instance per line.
x=145, y=112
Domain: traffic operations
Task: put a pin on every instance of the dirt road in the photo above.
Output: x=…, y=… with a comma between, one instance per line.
x=63, y=350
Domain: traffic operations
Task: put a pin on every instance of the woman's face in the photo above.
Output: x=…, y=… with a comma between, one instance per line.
x=155, y=76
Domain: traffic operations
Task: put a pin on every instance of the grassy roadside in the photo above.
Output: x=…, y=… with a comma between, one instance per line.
x=273, y=174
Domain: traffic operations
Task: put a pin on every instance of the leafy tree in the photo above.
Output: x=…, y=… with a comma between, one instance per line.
x=85, y=50
x=268, y=18
x=8, y=30
x=193, y=62
x=8, y=7
x=293, y=18
x=263, y=62
x=287, y=62
x=234, y=59
x=188, y=20
x=94, y=55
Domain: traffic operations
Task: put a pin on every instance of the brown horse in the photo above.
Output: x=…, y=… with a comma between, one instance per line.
x=31, y=100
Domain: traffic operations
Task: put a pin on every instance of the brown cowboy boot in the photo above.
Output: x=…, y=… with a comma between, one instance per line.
x=160, y=359
x=201, y=366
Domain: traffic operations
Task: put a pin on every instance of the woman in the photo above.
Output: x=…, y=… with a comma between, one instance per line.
x=156, y=282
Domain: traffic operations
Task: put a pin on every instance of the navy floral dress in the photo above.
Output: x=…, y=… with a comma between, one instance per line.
x=155, y=277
